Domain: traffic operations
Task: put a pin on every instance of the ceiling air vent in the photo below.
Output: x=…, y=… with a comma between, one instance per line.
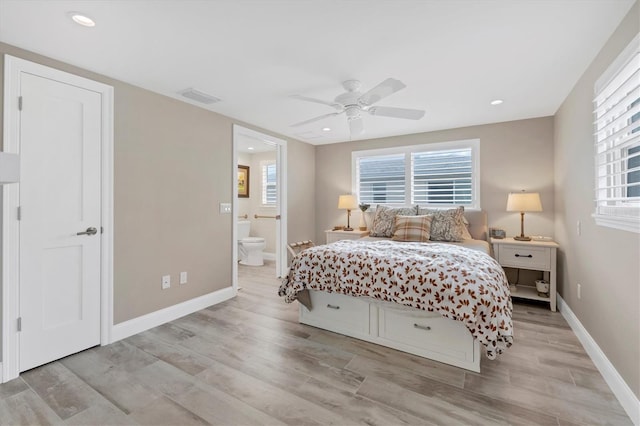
x=196, y=95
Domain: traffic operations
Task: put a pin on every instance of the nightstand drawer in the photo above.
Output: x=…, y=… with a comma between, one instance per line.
x=518, y=256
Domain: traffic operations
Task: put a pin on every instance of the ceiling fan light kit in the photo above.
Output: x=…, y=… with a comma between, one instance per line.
x=353, y=103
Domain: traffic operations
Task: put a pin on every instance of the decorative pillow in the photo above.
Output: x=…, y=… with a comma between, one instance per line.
x=412, y=228
x=447, y=225
x=385, y=219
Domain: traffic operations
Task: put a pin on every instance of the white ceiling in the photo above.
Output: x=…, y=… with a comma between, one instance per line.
x=454, y=56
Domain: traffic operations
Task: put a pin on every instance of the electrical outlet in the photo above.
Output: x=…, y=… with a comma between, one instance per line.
x=166, y=281
x=579, y=291
x=183, y=277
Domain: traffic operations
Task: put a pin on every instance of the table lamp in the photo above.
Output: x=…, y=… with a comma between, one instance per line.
x=523, y=202
x=348, y=202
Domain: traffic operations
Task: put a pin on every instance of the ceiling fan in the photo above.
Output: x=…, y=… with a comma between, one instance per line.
x=354, y=103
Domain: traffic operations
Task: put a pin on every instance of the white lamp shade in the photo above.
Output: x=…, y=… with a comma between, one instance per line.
x=9, y=168
x=348, y=202
x=524, y=202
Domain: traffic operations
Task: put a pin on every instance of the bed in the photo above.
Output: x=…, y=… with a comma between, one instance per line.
x=439, y=300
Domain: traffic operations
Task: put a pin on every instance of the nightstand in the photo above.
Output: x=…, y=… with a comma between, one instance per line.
x=333, y=236
x=533, y=255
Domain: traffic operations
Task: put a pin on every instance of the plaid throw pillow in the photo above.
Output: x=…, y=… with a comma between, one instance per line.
x=384, y=219
x=412, y=228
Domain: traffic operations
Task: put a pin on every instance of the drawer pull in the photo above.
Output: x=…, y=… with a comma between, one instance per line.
x=522, y=255
x=333, y=306
x=422, y=327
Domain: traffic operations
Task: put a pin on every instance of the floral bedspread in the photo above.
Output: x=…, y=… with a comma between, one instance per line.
x=460, y=283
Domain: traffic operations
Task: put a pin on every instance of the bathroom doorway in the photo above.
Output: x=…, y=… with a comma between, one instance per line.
x=260, y=173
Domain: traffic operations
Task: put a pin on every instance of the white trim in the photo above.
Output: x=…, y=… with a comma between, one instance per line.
x=163, y=316
x=474, y=144
x=631, y=224
x=618, y=386
x=10, y=229
x=106, y=217
x=618, y=63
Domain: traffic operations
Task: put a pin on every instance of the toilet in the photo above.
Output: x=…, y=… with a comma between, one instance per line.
x=249, y=248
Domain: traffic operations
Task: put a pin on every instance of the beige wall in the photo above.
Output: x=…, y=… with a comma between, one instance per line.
x=173, y=165
x=514, y=155
x=604, y=261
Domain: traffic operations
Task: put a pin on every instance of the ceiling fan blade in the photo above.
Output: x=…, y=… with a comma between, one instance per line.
x=313, y=120
x=317, y=101
x=355, y=126
x=382, y=90
x=411, y=114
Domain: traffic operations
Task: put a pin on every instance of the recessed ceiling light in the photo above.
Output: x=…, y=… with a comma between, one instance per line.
x=81, y=19
x=326, y=129
x=250, y=148
x=496, y=101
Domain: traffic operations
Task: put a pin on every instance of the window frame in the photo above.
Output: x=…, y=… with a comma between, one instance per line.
x=264, y=184
x=623, y=215
x=473, y=144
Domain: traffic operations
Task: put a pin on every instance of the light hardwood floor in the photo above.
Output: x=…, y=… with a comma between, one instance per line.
x=248, y=361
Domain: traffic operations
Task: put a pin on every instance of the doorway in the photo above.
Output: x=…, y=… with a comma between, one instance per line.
x=263, y=202
x=57, y=222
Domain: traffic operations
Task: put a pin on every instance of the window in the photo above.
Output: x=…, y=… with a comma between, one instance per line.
x=442, y=177
x=437, y=175
x=617, y=142
x=269, y=185
x=382, y=179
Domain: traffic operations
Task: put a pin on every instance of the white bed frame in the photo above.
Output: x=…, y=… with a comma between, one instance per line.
x=417, y=332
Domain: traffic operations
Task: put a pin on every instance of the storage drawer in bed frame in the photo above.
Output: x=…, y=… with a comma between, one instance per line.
x=421, y=333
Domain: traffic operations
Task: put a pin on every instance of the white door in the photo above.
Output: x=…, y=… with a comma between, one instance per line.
x=59, y=197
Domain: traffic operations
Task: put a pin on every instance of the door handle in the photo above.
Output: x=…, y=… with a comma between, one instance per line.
x=89, y=231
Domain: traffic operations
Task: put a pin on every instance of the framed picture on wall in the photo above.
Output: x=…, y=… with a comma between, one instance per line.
x=243, y=181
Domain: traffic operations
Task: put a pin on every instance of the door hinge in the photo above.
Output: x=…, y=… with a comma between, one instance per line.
x=101, y=230
x=19, y=323
x=19, y=212
x=19, y=103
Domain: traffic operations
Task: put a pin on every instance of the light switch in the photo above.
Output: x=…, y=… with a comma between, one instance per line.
x=225, y=208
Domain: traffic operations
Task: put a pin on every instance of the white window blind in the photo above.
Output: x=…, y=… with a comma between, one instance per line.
x=438, y=175
x=381, y=179
x=269, y=185
x=617, y=142
x=442, y=177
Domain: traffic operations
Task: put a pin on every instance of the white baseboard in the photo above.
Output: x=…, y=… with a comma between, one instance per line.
x=154, y=319
x=1, y=370
x=618, y=386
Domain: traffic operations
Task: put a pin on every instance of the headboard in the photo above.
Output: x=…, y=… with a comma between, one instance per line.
x=478, y=227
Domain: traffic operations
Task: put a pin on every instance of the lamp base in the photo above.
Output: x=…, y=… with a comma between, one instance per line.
x=522, y=238
x=348, y=229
